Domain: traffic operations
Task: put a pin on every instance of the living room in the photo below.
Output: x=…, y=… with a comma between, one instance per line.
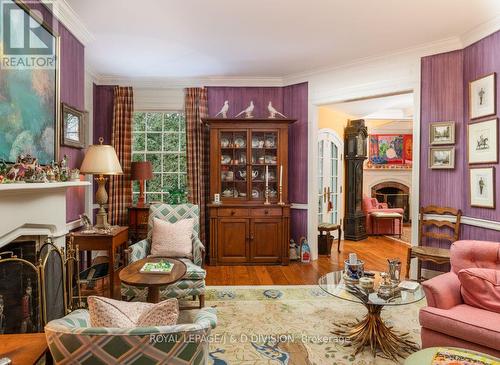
x=172, y=192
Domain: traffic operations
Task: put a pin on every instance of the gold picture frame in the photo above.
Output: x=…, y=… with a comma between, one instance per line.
x=442, y=133
x=442, y=158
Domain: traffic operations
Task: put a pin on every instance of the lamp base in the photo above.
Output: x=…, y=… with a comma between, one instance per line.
x=101, y=198
x=101, y=219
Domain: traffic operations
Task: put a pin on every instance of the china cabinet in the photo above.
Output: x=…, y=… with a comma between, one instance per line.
x=249, y=170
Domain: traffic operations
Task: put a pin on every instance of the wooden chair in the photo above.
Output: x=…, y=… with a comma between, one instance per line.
x=431, y=229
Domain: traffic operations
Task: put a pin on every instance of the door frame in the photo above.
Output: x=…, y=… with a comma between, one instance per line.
x=335, y=138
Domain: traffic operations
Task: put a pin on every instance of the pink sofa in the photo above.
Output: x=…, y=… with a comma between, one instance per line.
x=371, y=205
x=447, y=320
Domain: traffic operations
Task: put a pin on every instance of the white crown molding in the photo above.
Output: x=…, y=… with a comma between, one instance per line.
x=481, y=31
x=66, y=15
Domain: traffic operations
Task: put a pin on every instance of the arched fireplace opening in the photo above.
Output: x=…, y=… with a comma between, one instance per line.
x=396, y=195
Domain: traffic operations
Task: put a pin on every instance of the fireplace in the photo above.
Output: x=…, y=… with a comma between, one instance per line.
x=395, y=195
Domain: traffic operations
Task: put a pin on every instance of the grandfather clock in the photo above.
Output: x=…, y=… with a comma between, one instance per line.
x=355, y=154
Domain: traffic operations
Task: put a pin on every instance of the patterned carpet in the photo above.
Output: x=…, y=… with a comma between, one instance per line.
x=277, y=325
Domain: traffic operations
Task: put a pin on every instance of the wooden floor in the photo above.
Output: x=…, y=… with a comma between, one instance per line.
x=374, y=252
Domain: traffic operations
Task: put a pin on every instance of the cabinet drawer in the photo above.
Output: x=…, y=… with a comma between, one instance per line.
x=233, y=212
x=266, y=212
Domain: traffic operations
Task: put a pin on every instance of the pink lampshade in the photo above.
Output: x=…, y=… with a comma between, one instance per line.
x=141, y=170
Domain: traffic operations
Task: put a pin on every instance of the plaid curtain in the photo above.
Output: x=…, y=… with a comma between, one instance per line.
x=120, y=188
x=197, y=141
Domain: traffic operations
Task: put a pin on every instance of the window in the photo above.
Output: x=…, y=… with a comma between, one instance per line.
x=160, y=137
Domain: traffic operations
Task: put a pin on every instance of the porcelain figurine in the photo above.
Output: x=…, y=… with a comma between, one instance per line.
x=294, y=254
x=273, y=112
x=75, y=175
x=248, y=111
x=223, y=111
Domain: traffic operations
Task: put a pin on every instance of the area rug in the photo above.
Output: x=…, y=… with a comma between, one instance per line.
x=278, y=325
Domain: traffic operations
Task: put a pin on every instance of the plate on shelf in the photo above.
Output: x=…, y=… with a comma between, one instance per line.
x=243, y=195
x=226, y=159
x=239, y=142
x=224, y=142
x=257, y=142
x=270, y=143
x=255, y=194
x=227, y=193
x=273, y=193
x=270, y=159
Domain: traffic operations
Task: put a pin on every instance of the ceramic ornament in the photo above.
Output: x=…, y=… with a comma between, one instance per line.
x=248, y=111
x=273, y=112
x=223, y=110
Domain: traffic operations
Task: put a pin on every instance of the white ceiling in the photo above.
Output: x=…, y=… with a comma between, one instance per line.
x=265, y=38
x=394, y=107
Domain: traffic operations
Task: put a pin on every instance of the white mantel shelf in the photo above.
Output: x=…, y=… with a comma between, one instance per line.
x=35, y=209
x=40, y=186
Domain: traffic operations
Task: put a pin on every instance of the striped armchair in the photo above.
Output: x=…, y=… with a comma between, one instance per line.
x=71, y=340
x=193, y=282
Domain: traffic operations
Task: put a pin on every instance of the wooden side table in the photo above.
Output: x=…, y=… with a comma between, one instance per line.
x=138, y=222
x=27, y=348
x=118, y=238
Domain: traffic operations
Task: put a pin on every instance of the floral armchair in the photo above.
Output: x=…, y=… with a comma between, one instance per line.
x=193, y=282
x=72, y=340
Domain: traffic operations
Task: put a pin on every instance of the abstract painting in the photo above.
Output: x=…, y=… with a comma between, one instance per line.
x=390, y=148
x=28, y=109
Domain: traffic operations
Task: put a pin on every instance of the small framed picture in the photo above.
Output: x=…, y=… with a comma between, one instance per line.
x=442, y=157
x=482, y=142
x=442, y=133
x=73, y=127
x=482, y=96
x=482, y=187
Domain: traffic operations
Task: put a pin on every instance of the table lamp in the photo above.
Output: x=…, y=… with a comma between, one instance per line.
x=141, y=171
x=101, y=159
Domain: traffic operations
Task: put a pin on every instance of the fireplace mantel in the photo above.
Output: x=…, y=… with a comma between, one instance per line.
x=36, y=209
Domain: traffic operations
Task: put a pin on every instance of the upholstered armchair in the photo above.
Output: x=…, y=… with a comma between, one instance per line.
x=72, y=340
x=371, y=205
x=193, y=282
x=448, y=320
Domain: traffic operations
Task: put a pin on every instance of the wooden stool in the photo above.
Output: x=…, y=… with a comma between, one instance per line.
x=380, y=216
x=325, y=242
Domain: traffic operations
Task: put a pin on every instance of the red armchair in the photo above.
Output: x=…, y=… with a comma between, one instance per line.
x=447, y=320
x=371, y=205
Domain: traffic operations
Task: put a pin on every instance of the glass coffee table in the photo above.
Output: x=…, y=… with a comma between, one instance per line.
x=371, y=331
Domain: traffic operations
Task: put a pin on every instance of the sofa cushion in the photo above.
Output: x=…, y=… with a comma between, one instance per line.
x=465, y=322
x=481, y=288
x=110, y=313
x=172, y=239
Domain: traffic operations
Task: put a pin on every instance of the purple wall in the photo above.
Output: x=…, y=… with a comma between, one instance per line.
x=444, y=96
x=103, y=113
x=293, y=101
x=72, y=91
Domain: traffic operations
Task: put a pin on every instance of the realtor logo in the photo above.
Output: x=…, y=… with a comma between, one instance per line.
x=26, y=43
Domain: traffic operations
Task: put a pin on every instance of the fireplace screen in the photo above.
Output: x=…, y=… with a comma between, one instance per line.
x=52, y=282
x=20, y=295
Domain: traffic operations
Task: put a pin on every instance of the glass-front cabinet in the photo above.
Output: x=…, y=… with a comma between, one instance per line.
x=247, y=158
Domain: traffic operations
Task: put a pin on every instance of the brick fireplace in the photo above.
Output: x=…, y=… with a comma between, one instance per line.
x=395, y=194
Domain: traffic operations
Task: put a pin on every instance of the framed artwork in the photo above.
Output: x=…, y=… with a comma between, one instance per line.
x=482, y=142
x=29, y=102
x=390, y=148
x=482, y=96
x=73, y=127
x=442, y=157
x=442, y=133
x=482, y=187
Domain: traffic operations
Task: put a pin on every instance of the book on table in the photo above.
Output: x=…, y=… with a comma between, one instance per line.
x=162, y=267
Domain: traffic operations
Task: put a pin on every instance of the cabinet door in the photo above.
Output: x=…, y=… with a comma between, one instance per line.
x=232, y=240
x=265, y=240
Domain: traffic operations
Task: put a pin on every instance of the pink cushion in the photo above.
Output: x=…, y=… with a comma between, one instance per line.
x=481, y=288
x=110, y=313
x=467, y=253
x=172, y=239
x=465, y=322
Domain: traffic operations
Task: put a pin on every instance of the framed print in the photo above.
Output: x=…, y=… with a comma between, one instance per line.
x=29, y=88
x=442, y=157
x=482, y=187
x=482, y=96
x=73, y=127
x=482, y=142
x=442, y=133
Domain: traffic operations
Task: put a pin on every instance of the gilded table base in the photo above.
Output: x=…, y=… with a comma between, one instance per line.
x=373, y=333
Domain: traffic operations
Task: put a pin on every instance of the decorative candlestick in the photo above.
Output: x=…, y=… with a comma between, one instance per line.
x=280, y=189
x=267, y=187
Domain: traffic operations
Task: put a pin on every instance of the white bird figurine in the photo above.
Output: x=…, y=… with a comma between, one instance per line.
x=273, y=112
x=248, y=111
x=224, y=110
